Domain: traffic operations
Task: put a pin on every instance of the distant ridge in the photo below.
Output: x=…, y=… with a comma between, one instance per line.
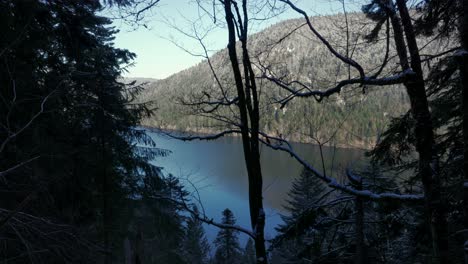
x=140, y=79
x=359, y=118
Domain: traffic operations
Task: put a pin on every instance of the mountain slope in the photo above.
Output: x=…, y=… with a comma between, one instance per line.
x=356, y=117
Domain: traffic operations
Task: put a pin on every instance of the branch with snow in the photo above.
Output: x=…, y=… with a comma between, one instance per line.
x=207, y=137
x=331, y=182
x=299, y=89
x=319, y=94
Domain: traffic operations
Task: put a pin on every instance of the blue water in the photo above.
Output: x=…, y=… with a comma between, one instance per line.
x=216, y=169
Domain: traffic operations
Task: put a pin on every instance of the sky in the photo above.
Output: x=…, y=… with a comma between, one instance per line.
x=157, y=41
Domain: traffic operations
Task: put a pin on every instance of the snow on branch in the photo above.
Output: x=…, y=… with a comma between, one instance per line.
x=320, y=94
x=207, y=137
x=331, y=182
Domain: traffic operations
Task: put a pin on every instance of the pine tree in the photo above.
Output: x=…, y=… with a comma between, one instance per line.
x=195, y=246
x=227, y=245
x=61, y=71
x=300, y=234
x=249, y=253
x=159, y=220
x=304, y=192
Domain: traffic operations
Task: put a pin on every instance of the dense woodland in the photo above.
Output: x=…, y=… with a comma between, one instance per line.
x=79, y=178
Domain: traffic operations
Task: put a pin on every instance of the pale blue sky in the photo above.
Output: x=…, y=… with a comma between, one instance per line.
x=158, y=57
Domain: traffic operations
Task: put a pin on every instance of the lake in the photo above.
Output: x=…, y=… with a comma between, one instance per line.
x=217, y=170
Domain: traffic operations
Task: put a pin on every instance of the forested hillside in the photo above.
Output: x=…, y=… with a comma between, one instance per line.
x=360, y=114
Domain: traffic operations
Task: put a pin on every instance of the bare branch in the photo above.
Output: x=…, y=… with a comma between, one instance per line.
x=15, y=134
x=344, y=59
x=208, y=137
x=9, y=170
x=204, y=218
x=19, y=208
x=320, y=94
x=331, y=182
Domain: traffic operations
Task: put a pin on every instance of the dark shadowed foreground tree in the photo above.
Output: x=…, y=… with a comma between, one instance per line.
x=67, y=134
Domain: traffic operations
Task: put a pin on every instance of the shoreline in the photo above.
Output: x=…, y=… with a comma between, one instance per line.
x=363, y=147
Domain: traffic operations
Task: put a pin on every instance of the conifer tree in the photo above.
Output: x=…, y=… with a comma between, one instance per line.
x=299, y=235
x=228, y=250
x=65, y=104
x=195, y=246
x=249, y=253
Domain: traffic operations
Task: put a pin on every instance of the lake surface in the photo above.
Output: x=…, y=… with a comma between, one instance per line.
x=217, y=170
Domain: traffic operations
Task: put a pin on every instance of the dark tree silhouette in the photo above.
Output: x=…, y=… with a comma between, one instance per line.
x=228, y=250
x=196, y=247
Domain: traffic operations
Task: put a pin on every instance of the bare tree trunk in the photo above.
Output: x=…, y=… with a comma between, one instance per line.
x=463, y=62
x=105, y=207
x=360, y=247
x=248, y=108
x=464, y=74
x=127, y=251
x=138, y=250
x=360, y=256
x=428, y=160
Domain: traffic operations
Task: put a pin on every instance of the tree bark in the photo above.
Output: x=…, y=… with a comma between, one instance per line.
x=359, y=218
x=463, y=63
x=428, y=160
x=248, y=109
x=127, y=251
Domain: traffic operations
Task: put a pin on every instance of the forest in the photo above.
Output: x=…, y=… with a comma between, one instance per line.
x=81, y=177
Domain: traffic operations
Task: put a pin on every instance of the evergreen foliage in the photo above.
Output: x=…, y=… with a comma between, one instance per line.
x=196, y=246
x=301, y=233
x=321, y=228
x=63, y=104
x=249, y=253
x=228, y=250
x=396, y=149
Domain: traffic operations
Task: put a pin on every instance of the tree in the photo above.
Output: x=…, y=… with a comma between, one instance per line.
x=195, y=245
x=246, y=108
x=66, y=112
x=156, y=230
x=301, y=237
x=463, y=62
x=424, y=130
x=248, y=256
x=227, y=245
